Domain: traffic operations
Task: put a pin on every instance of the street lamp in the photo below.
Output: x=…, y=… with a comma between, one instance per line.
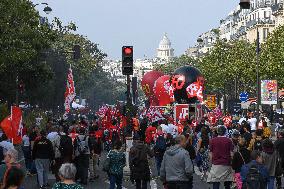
x=257, y=73
x=46, y=9
x=199, y=41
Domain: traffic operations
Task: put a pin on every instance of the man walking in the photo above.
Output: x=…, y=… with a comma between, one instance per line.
x=221, y=153
x=177, y=169
x=42, y=154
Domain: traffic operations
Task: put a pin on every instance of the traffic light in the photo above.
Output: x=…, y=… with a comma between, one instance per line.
x=127, y=60
x=245, y=4
x=76, y=52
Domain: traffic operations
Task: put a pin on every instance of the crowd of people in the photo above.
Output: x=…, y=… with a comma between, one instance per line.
x=239, y=153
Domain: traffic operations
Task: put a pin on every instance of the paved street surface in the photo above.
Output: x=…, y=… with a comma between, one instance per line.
x=103, y=183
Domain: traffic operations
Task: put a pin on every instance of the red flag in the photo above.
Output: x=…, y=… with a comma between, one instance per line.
x=17, y=126
x=12, y=125
x=70, y=91
x=6, y=126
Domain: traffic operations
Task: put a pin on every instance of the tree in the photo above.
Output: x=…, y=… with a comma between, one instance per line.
x=175, y=63
x=272, y=57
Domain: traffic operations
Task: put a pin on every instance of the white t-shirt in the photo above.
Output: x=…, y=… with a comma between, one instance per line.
x=26, y=140
x=52, y=136
x=173, y=130
x=252, y=122
x=242, y=119
x=165, y=128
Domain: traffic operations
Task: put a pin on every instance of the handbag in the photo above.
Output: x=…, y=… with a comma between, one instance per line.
x=106, y=165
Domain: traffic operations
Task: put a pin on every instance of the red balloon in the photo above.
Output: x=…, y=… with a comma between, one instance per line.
x=162, y=89
x=147, y=84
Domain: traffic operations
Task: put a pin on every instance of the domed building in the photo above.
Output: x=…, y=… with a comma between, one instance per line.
x=165, y=51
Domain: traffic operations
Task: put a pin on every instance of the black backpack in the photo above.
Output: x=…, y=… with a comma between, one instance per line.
x=254, y=179
x=92, y=142
x=161, y=145
x=257, y=145
x=82, y=145
x=66, y=146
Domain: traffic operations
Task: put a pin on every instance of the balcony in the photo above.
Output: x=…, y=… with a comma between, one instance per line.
x=261, y=5
x=253, y=23
x=241, y=31
x=277, y=8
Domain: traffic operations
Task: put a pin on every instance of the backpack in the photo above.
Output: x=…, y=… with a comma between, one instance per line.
x=161, y=145
x=257, y=145
x=65, y=147
x=92, y=142
x=254, y=179
x=82, y=145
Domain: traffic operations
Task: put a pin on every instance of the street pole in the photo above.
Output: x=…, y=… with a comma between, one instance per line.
x=17, y=90
x=257, y=75
x=128, y=137
x=128, y=91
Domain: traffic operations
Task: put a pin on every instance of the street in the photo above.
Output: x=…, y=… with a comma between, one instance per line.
x=103, y=183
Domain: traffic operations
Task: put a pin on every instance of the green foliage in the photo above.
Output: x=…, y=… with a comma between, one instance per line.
x=228, y=63
x=272, y=56
x=39, y=55
x=175, y=63
x=29, y=118
x=4, y=111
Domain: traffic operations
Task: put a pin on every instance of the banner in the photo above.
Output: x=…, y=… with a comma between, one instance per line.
x=269, y=92
x=211, y=101
x=181, y=112
x=70, y=92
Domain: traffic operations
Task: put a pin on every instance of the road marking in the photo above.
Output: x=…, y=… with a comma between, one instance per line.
x=107, y=181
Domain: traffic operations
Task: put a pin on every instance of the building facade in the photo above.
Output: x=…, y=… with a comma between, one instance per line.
x=242, y=24
x=165, y=50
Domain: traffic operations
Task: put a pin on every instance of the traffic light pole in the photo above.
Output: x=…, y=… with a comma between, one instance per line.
x=128, y=90
x=128, y=133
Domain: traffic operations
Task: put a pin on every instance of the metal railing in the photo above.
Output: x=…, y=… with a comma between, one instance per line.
x=259, y=21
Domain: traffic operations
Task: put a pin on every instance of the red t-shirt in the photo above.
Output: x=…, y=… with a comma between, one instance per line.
x=221, y=148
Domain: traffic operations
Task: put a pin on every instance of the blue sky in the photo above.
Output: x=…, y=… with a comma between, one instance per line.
x=141, y=23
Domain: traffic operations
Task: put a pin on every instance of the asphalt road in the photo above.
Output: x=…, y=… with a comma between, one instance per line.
x=103, y=183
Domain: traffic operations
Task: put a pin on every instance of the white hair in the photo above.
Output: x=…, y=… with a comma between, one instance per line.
x=13, y=153
x=67, y=171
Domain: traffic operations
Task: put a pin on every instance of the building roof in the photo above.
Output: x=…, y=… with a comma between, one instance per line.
x=165, y=41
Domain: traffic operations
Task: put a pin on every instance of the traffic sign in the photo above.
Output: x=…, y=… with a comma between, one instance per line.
x=244, y=96
x=211, y=101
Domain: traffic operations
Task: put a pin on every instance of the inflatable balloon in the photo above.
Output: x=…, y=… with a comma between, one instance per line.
x=162, y=90
x=147, y=84
x=188, y=85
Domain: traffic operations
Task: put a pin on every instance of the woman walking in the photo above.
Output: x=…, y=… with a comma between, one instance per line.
x=117, y=161
x=203, y=153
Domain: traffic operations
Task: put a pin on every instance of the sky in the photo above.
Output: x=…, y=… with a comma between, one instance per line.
x=141, y=23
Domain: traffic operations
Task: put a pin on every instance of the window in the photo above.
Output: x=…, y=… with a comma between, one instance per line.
x=265, y=33
x=264, y=14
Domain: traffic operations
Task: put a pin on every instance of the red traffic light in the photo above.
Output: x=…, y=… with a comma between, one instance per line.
x=127, y=51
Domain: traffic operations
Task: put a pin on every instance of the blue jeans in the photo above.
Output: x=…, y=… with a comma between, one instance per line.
x=115, y=180
x=42, y=167
x=28, y=157
x=270, y=183
x=158, y=164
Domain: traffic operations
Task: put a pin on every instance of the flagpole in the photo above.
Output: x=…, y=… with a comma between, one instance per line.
x=257, y=74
